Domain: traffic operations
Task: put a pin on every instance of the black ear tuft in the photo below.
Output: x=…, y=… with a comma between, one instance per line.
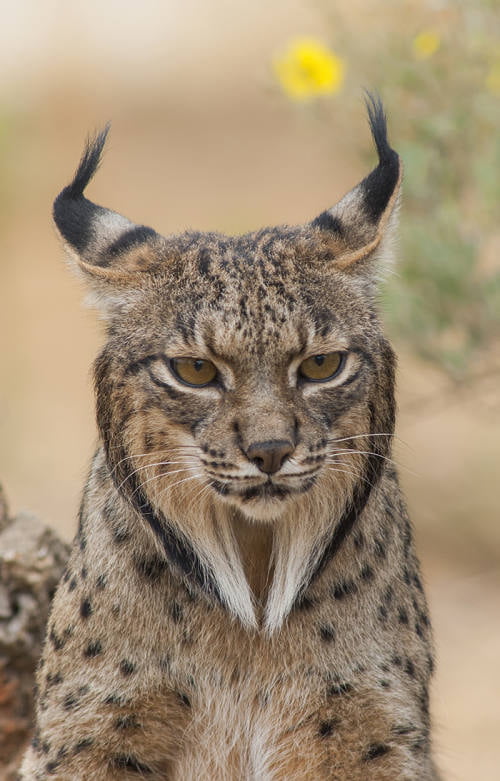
x=106, y=246
x=360, y=222
x=73, y=213
x=378, y=125
x=88, y=165
x=379, y=186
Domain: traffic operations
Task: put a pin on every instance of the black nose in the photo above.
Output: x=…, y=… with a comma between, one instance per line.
x=269, y=456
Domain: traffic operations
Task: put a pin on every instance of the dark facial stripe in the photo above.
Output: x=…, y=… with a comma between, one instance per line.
x=179, y=553
x=142, y=363
x=177, y=548
x=379, y=446
x=371, y=476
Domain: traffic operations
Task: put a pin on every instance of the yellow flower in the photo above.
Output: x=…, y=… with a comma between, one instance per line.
x=308, y=69
x=492, y=80
x=426, y=43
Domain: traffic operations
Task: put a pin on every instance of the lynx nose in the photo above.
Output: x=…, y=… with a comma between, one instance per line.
x=269, y=456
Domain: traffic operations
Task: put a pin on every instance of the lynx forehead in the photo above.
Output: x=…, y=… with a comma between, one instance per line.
x=243, y=600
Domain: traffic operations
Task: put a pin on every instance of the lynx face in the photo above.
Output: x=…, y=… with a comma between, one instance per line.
x=242, y=375
x=242, y=400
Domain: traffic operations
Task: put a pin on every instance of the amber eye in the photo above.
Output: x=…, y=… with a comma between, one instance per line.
x=319, y=368
x=193, y=371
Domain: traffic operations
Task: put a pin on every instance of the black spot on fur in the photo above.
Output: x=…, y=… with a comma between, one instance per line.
x=127, y=722
x=86, y=608
x=130, y=764
x=127, y=667
x=101, y=582
x=305, y=603
x=115, y=699
x=121, y=535
x=376, y=750
x=70, y=701
x=151, y=568
x=327, y=633
x=344, y=589
x=93, y=649
x=53, y=679
x=326, y=728
x=82, y=745
x=184, y=699
x=338, y=689
x=57, y=642
x=72, y=584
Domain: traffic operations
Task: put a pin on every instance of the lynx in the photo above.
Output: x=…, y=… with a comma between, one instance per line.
x=243, y=600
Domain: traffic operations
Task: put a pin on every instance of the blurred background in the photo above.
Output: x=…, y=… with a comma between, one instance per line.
x=229, y=115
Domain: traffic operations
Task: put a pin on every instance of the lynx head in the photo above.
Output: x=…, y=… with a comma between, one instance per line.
x=243, y=377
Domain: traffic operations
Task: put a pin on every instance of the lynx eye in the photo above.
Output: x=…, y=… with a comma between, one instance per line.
x=319, y=368
x=193, y=371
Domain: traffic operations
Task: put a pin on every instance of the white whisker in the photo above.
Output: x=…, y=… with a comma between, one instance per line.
x=156, y=463
x=151, y=454
x=157, y=477
x=367, y=435
x=332, y=468
x=348, y=451
x=179, y=482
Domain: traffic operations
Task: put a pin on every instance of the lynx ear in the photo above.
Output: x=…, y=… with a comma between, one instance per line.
x=359, y=227
x=106, y=247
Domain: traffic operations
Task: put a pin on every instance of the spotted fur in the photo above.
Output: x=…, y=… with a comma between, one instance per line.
x=243, y=599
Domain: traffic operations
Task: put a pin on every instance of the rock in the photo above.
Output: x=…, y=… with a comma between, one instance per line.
x=32, y=559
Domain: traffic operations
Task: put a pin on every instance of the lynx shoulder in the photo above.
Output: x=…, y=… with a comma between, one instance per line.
x=243, y=599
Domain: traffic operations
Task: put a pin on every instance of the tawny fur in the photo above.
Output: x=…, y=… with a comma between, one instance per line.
x=216, y=620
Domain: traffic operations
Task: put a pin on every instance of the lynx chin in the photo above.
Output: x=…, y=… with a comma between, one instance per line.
x=243, y=600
